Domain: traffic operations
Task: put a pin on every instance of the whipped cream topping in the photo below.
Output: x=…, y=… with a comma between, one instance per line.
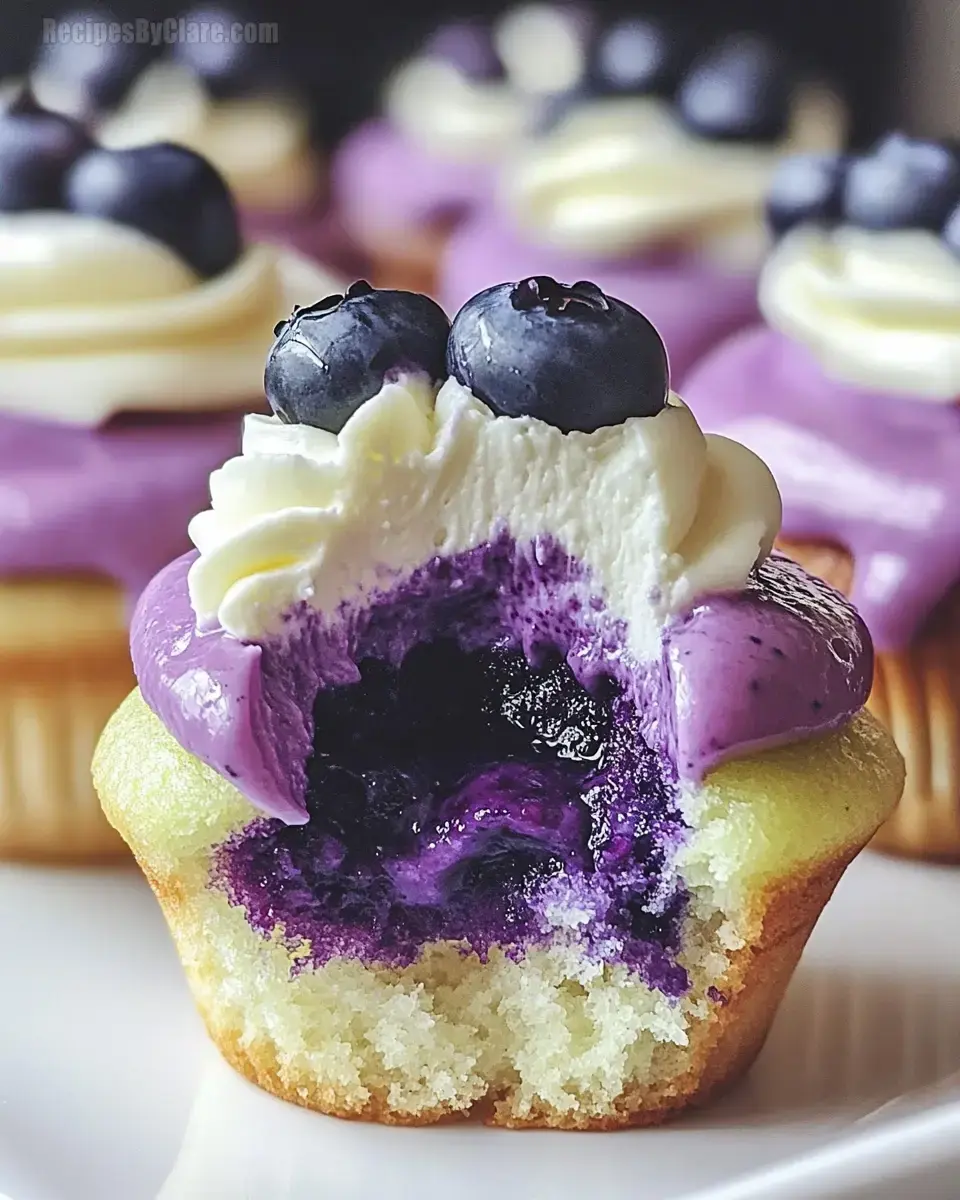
x=543, y=46
x=622, y=174
x=261, y=144
x=876, y=308
x=445, y=113
x=97, y=318
x=657, y=513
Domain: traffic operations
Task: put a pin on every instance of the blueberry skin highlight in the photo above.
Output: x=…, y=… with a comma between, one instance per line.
x=165, y=191
x=37, y=148
x=468, y=46
x=740, y=90
x=904, y=183
x=567, y=355
x=806, y=187
x=637, y=56
x=333, y=356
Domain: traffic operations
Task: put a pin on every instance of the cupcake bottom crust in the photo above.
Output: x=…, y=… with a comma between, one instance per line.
x=916, y=695
x=64, y=667
x=552, y=1036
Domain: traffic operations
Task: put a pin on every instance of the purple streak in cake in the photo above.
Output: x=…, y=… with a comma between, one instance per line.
x=876, y=474
x=383, y=184
x=693, y=304
x=114, y=500
x=470, y=748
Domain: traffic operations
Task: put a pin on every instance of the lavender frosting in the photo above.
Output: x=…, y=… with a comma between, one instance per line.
x=874, y=473
x=114, y=500
x=383, y=184
x=786, y=658
x=692, y=303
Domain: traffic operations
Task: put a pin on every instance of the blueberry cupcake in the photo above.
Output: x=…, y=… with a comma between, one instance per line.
x=649, y=178
x=849, y=390
x=484, y=761
x=403, y=181
x=235, y=102
x=132, y=332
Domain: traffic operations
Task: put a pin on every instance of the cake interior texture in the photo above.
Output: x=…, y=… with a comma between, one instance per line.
x=504, y=901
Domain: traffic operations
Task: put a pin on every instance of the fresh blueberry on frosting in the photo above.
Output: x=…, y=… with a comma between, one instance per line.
x=333, y=356
x=904, y=183
x=92, y=75
x=227, y=67
x=469, y=47
x=806, y=187
x=165, y=191
x=637, y=56
x=740, y=90
x=36, y=150
x=566, y=354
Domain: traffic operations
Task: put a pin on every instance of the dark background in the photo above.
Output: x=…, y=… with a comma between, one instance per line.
x=344, y=47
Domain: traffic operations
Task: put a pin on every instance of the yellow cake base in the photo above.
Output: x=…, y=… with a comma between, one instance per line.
x=552, y=1038
x=64, y=667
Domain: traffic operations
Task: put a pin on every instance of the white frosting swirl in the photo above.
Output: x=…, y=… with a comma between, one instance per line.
x=96, y=318
x=454, y=117
x=260, y=144
x=656, y=511
x=621, y=174
x=879, y=309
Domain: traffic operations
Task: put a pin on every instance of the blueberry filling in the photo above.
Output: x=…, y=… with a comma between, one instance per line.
x=465, y=786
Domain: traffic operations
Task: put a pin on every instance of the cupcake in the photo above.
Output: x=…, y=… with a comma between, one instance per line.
x=404, y=180
x=849, y=390
x=649, y=179
x=484, y=761
x=132, y=333
x=235, y=102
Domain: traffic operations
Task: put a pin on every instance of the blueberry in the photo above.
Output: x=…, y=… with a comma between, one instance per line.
x=227, y=66
x=165, y=191
x=468, y=46
x=806, y=187
x=637, y=55
x=330, y=358
x=904, y=183
x=951, y=231
x=37, y=148
x=740, y=90
x=568, y=355
x=100, y=70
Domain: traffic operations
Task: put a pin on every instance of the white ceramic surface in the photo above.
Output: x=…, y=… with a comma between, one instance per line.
x=109, y=1091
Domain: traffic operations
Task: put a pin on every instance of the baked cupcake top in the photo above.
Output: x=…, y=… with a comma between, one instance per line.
x=133, y=323
x=851, y=393
x=230, y=97
x=667, y=144
x=523, y=480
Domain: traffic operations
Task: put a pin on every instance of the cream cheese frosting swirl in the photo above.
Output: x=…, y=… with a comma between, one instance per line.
x=97, y=318
x=438, y=108
x=876, y=308
x=619, y=175
x=260, y=143
x=657, y=512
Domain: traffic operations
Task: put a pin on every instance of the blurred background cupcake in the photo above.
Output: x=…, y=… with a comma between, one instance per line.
x=649, y=176
x=404, y=180
x=237, y=99
x=850, y=391
x=133, y=324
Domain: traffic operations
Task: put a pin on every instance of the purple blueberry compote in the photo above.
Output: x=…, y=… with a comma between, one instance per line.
x=468, y=780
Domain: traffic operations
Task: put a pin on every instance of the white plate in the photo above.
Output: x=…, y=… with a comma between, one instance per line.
x=109, y=1091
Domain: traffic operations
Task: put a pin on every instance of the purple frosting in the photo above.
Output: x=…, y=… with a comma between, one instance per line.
x=876, y=474
x=693, y=304
x=786, y=658
x=383, y=184
x=114, y=500
x=317, y=232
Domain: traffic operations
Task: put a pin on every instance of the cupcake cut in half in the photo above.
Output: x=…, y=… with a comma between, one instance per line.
x=850, y=392
x=133, y=324
x=485, y=762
